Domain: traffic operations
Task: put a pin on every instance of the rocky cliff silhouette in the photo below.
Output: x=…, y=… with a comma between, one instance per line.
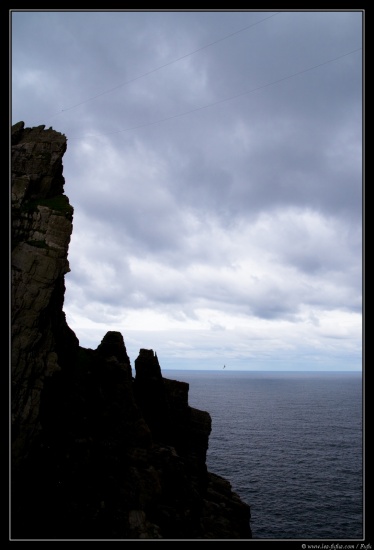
x=98, y=451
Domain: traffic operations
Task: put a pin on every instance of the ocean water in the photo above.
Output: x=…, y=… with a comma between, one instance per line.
x=291, y=446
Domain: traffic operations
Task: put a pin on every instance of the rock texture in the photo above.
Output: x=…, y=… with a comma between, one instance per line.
x=98, y=451
x=41, y=230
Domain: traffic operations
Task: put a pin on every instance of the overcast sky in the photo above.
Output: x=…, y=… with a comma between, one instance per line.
x=214, y=164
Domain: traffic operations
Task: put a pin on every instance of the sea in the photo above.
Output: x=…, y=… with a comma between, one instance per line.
x=291, y=445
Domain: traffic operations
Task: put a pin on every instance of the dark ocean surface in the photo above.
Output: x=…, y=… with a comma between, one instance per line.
x=291, y=446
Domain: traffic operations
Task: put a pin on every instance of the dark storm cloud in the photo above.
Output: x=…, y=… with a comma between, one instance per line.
x=214, y=163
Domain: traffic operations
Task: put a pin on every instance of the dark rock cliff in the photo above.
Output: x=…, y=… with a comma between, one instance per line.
x=98, y=451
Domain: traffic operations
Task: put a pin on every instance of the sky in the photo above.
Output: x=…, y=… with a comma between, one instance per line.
x=214, y=163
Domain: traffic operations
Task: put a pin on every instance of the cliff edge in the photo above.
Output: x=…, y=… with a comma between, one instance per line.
x=99, y=451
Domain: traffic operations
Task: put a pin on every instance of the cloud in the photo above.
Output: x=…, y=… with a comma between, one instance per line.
x=214, y=163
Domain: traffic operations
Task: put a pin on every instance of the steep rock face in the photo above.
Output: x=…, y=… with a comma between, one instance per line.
x=41, y=230
x=97, y=453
